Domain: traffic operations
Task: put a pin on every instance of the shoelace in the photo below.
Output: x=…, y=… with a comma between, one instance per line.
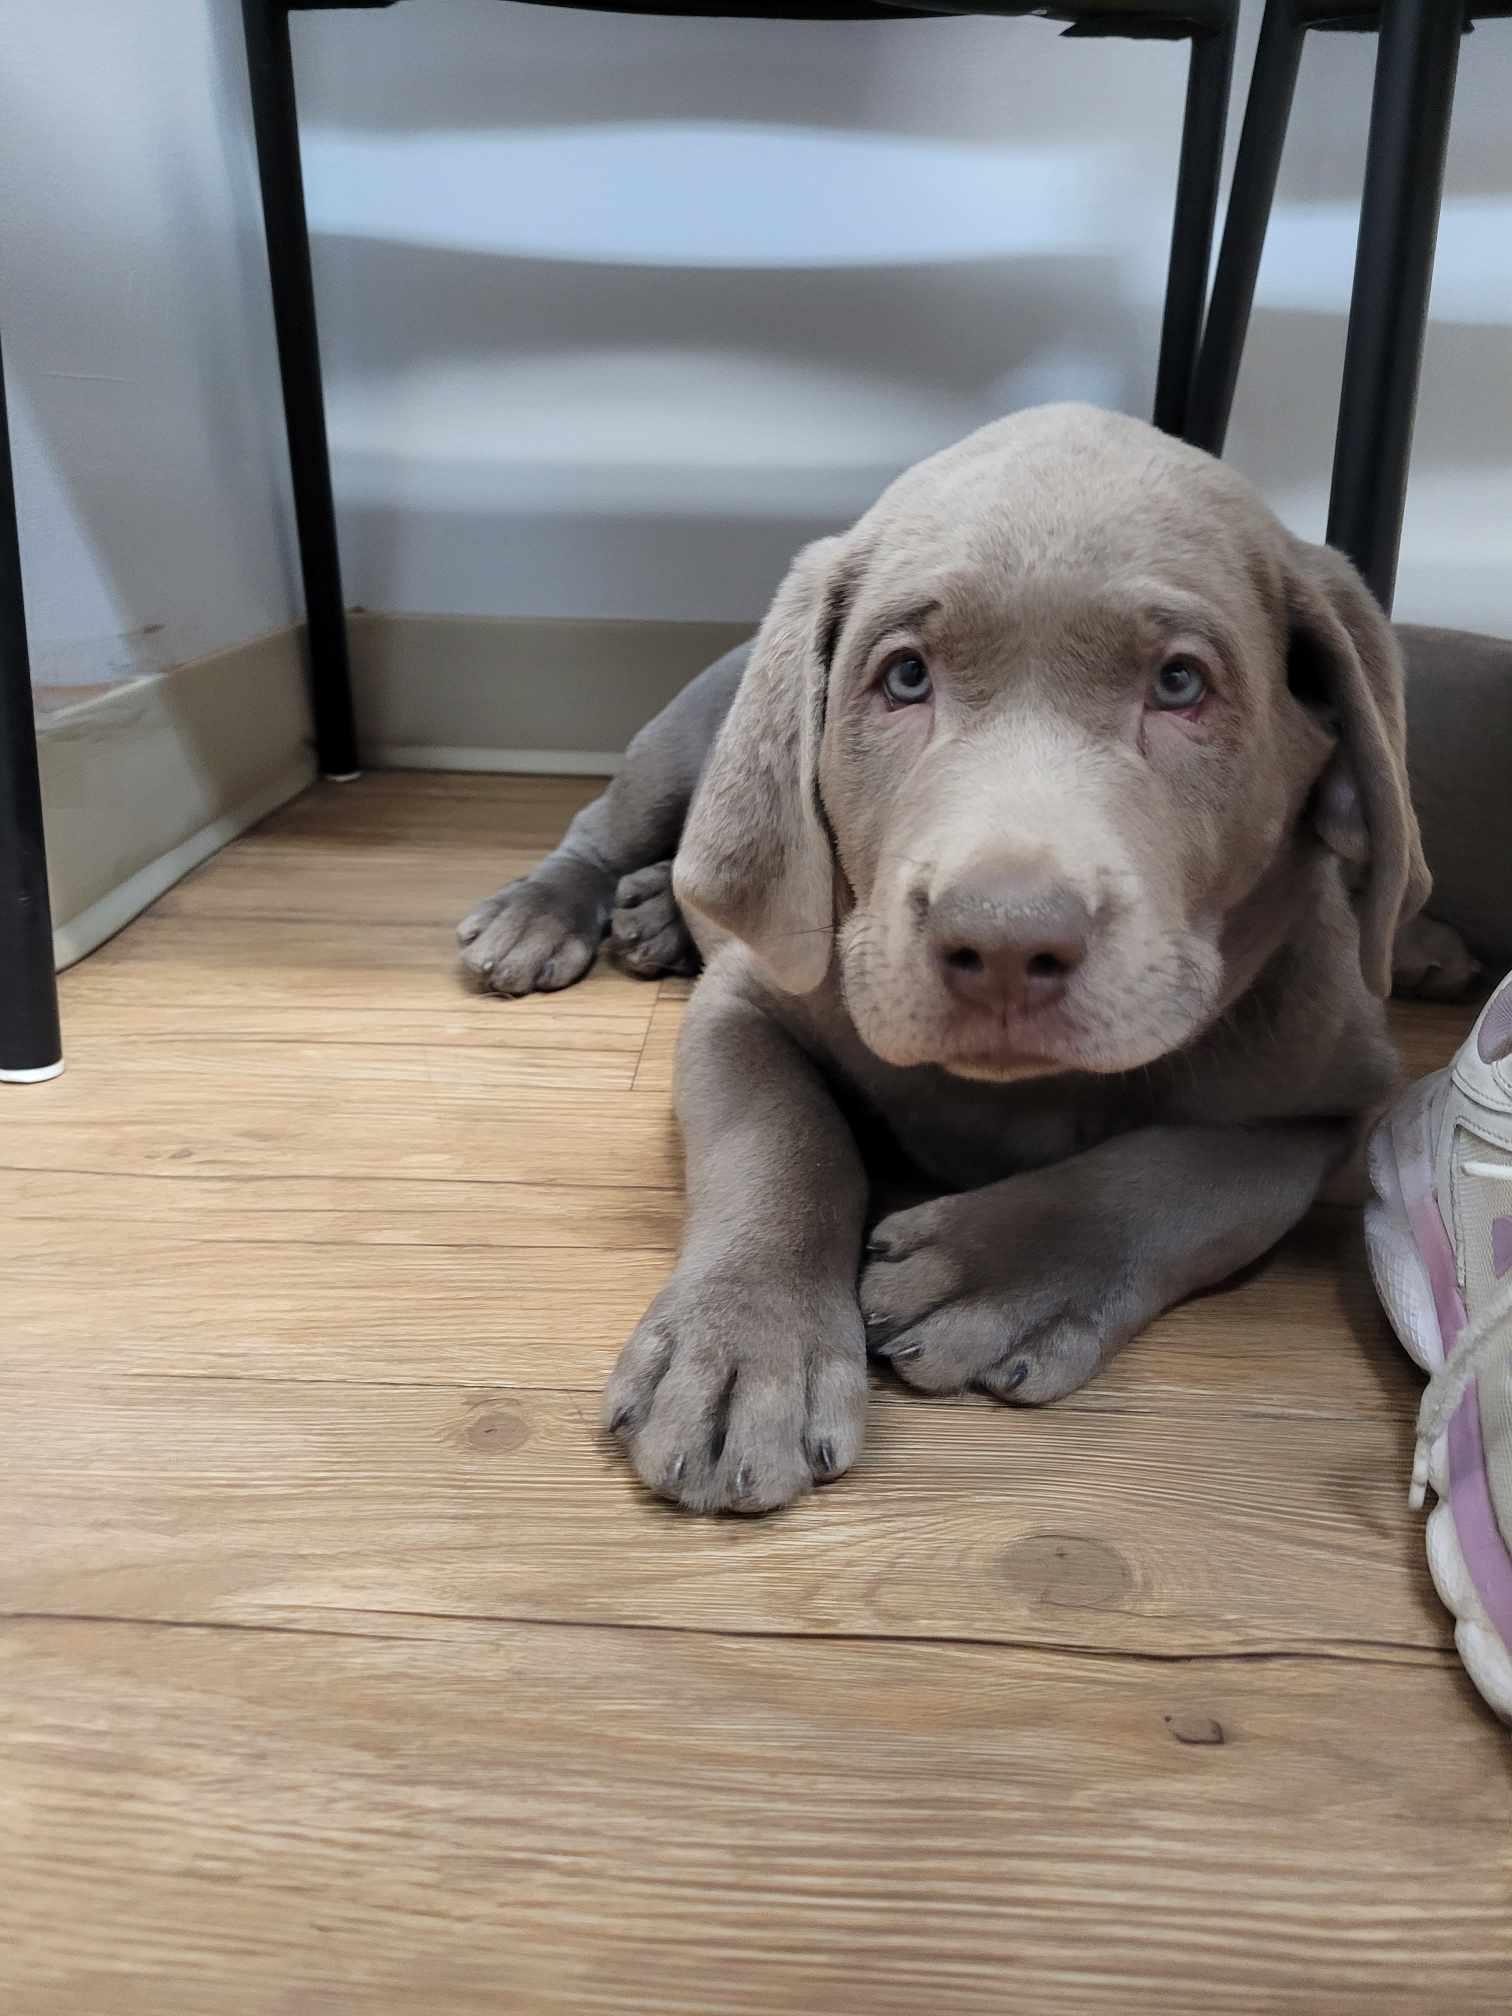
x=1486, y=1340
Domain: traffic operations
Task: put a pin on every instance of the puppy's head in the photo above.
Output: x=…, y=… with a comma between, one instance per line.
x=1039, y=749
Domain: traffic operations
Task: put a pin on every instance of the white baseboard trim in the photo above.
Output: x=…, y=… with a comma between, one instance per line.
x=113, y=911
x=495, y=762
x=143, y=782
x=560, y=696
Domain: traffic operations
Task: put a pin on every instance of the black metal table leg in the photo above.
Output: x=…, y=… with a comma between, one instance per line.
x=1212, y=64
x=30, y=1045
x=271, y=71
x=1416, y=62
x=1273, y=83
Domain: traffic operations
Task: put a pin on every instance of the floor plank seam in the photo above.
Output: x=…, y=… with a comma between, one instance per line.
x=283, y=1178
x=412, y=1385
x=110, y=1619
x=423, y=1246
x=1349, y=1652
x=1201, y=1411
x=646, y=1039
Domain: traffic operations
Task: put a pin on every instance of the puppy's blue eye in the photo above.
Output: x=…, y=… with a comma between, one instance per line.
x=906, y=681
x=1180, y=682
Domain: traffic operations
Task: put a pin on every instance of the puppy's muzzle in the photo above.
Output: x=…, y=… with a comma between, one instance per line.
x=1006, y=939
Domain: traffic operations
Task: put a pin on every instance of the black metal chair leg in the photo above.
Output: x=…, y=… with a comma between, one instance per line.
x=271, y=71
x=1208, y=76
x=30, y=1044
x=1273, y=84
x=1416, y=62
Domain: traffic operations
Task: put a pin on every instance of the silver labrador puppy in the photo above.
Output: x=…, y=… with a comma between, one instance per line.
x=1051, y=843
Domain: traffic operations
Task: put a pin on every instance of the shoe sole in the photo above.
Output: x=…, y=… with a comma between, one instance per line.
x=1401, y=1174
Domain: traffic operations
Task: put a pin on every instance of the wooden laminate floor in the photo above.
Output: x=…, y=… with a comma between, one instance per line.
x=345, y=1670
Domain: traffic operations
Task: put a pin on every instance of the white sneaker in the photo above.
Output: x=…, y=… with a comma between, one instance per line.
x=1440, y=1242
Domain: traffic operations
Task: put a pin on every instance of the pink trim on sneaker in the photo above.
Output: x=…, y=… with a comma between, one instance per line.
x=1433, y=1245
x=1480, y=1540
x=1475, y=1524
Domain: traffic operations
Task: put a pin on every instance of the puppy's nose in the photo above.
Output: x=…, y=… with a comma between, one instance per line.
x=1007, y=942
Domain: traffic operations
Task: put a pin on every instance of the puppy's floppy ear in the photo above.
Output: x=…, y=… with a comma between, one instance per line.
x=1346, y=666
x=755, y=856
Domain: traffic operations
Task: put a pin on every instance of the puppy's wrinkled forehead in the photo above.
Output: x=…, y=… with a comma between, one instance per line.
x=1073, y=492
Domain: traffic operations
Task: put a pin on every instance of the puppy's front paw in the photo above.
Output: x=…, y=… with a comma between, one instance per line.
x=734, y=1396
x=533, y=937
x=647, y=934
x=951, y=1311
